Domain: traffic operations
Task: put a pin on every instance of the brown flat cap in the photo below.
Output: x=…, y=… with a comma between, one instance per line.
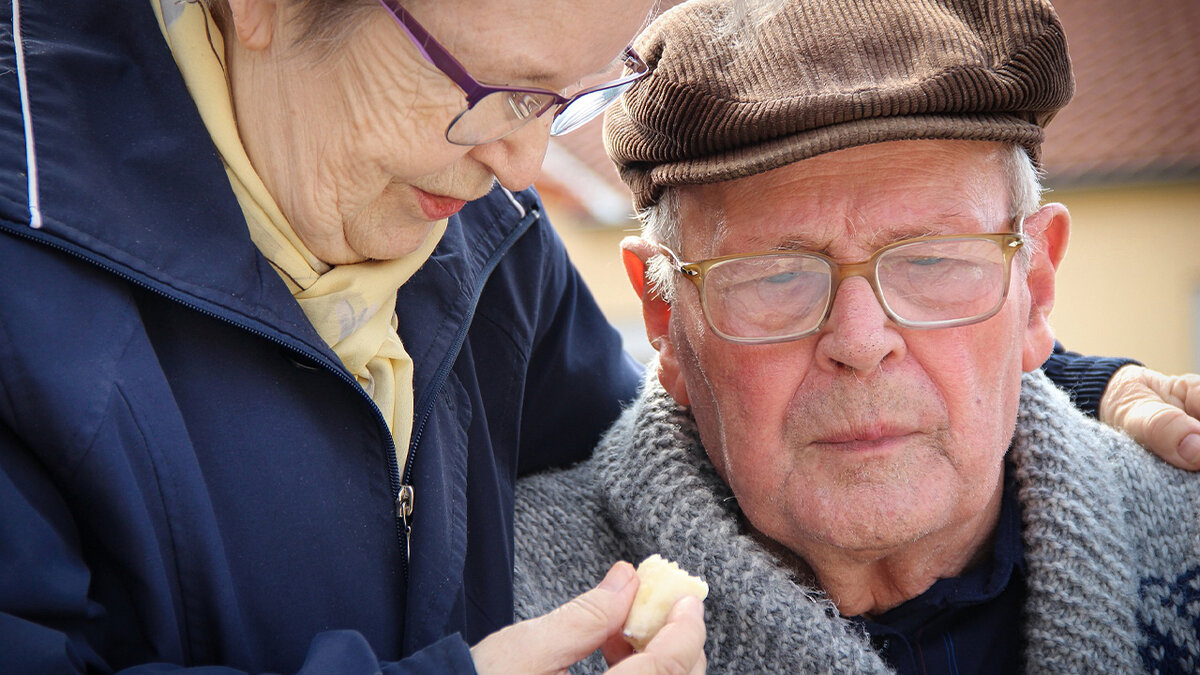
x=824, y=75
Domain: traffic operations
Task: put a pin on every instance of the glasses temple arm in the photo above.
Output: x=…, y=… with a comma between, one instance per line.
x=435, y=53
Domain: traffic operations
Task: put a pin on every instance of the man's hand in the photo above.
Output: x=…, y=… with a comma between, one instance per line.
x=1159, y=411
x=553, y=642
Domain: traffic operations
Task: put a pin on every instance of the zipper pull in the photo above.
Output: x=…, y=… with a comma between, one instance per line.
x=404, y=509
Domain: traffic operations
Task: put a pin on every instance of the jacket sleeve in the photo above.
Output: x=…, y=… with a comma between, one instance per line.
x=580, y=376
x=1083, y=377
x=47, y=615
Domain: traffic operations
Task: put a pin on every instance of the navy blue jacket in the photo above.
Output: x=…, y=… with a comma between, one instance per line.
x=188, y=475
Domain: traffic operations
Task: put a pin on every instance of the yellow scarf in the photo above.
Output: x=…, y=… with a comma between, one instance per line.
x=351, y=306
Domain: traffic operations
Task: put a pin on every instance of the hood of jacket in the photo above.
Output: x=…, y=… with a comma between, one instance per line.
x=93, y=166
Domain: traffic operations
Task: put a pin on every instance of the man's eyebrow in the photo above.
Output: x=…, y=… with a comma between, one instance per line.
x=796, y=244
x=899, y=233
x=755, y=244
x=874, y=240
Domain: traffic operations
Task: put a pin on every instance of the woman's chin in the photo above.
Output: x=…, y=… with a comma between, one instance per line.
x=394, y=244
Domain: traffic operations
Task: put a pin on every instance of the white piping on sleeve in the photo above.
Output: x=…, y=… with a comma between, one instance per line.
x=35, y=208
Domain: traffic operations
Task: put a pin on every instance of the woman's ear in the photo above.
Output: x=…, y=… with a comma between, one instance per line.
x=254, y=22
x=1049, y=229
x=656, y=314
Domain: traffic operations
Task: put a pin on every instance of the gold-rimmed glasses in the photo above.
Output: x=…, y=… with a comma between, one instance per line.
x=924, y=282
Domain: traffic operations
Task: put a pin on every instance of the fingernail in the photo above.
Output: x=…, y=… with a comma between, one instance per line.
x=689, y=604
x=618, y=577
x=1189, y=449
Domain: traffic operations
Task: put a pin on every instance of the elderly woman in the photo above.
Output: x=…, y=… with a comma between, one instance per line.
x=224, y=439
x=275, y=348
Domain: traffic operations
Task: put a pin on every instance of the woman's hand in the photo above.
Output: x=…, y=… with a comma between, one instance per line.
x=1159, y=411
x=553, y=642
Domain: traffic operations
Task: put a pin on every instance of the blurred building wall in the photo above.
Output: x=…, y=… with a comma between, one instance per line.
x=1130, y=284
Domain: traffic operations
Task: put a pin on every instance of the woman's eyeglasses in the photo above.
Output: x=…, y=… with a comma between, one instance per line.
x=494, y=112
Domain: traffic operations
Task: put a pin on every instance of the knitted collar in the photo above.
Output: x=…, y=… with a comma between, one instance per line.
x=664, y=496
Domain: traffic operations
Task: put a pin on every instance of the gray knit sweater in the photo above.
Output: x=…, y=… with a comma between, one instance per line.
x=1112, y=544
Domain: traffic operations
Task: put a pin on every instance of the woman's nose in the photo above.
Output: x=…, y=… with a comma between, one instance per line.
x=516, y=159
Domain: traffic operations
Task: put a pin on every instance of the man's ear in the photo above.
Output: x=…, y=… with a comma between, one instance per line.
x=254, y=22
x=656, y=313
x=1049, y=229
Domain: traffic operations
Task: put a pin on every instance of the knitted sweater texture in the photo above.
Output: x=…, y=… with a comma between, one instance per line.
x=1111, y=534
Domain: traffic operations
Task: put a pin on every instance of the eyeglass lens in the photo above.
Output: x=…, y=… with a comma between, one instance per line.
x=585, y=108
x=497, y=115
x=928, y=283
x=501, y=113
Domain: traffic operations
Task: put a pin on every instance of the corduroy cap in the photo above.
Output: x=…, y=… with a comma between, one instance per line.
x=825, y=75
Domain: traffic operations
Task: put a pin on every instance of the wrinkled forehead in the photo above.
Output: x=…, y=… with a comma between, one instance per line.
x=550, y=43
x=868, y=195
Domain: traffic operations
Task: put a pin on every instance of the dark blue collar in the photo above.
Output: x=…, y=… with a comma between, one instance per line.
x=968, y=623
x=984, y=582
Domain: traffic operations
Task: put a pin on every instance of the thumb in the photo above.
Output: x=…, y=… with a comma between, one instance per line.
x=1158, y=412
x=1167, y=431
x=553, y=642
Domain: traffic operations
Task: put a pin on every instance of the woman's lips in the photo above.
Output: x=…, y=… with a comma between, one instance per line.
x=438, y=207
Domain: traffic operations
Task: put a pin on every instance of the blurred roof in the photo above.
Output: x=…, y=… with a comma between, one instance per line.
x=1135, y=116
x=1136, y=111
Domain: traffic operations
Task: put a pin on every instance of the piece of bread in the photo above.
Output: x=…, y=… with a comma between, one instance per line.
x=660, y=584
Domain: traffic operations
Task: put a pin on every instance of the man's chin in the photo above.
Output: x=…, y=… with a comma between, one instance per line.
x=873, y=519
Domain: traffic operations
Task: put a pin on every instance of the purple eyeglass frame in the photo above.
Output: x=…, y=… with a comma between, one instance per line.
x=476, y=91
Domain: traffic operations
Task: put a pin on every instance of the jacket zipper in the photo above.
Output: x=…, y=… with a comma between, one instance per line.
x=404, y=494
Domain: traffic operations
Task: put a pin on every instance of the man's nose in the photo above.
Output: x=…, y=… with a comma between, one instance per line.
x=516, y=159
x=858, y=335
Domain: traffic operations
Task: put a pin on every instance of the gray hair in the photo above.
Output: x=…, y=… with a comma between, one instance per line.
x=744, y=18
x=661, y=220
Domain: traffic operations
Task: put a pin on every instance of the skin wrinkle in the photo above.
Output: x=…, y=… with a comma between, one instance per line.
x=328, y=191
x=878, y=527
x=660, y=221
x=429, y=96
x=347, y=139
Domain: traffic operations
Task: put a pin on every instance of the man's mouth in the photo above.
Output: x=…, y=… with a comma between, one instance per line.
x=865, y=438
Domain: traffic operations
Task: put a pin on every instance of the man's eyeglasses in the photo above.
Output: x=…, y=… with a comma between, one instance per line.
x=494, y=112
x=924, y=282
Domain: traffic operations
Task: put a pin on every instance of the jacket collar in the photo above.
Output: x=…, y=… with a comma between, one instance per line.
x=126, y=175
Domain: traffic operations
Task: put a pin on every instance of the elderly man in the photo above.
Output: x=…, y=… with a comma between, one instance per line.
x=845, y=271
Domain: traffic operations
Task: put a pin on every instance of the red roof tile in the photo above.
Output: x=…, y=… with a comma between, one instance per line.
x=1136, y=111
